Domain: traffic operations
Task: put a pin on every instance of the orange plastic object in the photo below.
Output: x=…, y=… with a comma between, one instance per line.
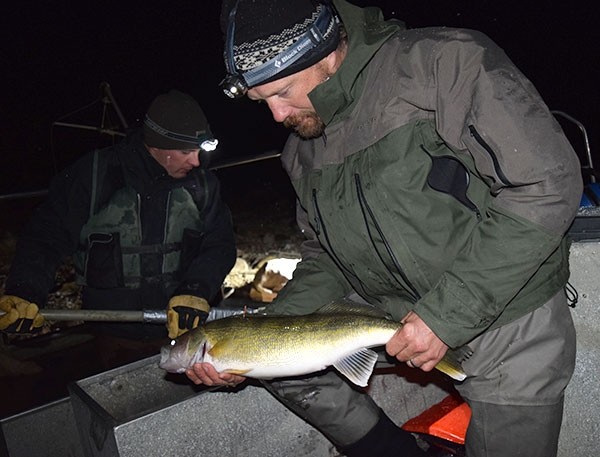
x=447, y=419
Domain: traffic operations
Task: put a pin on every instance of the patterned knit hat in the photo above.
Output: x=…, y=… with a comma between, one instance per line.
x=270, y=39
x=175, y=121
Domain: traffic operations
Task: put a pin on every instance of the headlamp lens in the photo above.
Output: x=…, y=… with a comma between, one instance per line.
x=209, y=145
x=234, y=87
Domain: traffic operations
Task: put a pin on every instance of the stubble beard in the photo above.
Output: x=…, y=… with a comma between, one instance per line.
x=307, y=125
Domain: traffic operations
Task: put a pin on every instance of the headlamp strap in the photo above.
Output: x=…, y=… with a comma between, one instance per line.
x=195, y=140
x=309, y=40
x=229, y=62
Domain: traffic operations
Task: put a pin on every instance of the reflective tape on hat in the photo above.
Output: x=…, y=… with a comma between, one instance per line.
x=236, y=83
x=204, y=142
x=314, y=36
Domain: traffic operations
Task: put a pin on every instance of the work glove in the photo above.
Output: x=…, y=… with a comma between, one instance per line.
x=19, y=316
x=184, y=313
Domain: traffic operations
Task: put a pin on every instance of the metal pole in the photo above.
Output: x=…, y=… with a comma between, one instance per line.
x=147, y=316
x=106, y=89
x=245, y=160
x=100, y=315
x=30, y=194
x=586, y=141
x=219, y=166
x=92, y=128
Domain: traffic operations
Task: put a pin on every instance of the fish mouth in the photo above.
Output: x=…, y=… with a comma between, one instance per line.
x=165, y=354
x=168, y=361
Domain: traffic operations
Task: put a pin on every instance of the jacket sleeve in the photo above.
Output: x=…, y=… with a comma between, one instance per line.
x=216, y=256
x=486, y=108
x=51, y=234
x=316, y=281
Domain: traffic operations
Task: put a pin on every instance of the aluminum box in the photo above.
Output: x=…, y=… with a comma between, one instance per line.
x=112, y=407
x=46, y=431
x=135, y=412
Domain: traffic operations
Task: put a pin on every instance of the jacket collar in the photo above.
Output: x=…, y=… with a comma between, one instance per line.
x=142, y=168
x=367, y=31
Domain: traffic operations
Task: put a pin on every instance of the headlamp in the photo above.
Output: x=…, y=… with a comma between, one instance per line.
x=203, y=140
x=234, y=86
x=209, y=145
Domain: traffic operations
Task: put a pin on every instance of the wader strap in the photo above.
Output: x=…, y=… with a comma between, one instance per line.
x=94, y=184
x=152, y=248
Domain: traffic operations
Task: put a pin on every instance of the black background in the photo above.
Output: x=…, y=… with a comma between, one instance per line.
x=54, y=55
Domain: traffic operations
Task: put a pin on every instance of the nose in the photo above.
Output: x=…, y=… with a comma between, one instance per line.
x=279, y=110
x=194, y=159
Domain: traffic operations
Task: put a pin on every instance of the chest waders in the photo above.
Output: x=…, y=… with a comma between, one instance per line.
x=111, y=247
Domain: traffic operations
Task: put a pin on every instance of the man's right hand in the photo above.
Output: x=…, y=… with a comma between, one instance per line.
x=205, y=373
x=20, y=316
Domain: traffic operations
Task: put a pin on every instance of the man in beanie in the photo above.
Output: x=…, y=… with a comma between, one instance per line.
x=145, y=223
x=433, y=183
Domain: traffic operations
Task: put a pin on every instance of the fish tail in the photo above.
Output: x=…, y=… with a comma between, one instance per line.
x=451, y=363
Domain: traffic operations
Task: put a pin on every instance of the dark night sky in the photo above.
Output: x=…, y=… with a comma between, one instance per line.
x=54, y=56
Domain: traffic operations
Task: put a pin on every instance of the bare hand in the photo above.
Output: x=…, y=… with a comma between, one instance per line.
x=416, y=344
x=205, y=373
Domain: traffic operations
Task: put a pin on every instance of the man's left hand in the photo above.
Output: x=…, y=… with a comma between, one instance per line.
x=19, y=315
x=416, y=344
x=185, y=312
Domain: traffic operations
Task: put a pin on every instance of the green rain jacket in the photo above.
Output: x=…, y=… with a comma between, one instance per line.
x=442, y=183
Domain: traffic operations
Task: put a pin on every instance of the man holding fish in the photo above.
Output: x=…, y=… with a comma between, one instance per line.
x=434, y=184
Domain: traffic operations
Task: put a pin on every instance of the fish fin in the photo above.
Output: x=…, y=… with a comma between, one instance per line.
x=216, y=350
x=234, y=371
x=462, y=353
x=451, y=364
x=358, y=366
x=348, y=307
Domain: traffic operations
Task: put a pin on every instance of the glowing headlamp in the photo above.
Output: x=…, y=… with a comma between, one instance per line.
x=234, y=86
x=203, y=140
x=209, y=145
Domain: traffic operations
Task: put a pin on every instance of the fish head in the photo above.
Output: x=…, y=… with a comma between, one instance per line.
x=183, y=352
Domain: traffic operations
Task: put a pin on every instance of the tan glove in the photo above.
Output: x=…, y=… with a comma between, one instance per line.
x=184, y=313
x=20, y=316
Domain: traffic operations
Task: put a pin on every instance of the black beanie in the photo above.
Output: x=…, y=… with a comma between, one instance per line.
x=268, y=30
x=175, y=121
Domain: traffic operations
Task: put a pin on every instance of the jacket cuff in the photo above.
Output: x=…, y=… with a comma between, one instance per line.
x=453, y=312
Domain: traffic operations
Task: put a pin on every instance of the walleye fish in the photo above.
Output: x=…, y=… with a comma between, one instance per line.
x=267, y=347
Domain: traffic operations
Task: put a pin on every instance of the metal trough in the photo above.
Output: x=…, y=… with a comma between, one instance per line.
x=113, y=409
x=134, y=411
x=47, y=431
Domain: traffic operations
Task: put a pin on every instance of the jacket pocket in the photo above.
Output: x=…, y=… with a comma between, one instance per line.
x=449, y=176
x=494, y=170
x=104, y=263
x=379, y=240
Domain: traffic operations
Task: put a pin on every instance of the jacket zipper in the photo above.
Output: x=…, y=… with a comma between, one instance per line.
x=139, y=216
x=475, y=134
x=165, y=228
x=320, y=228
x=365, y=208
